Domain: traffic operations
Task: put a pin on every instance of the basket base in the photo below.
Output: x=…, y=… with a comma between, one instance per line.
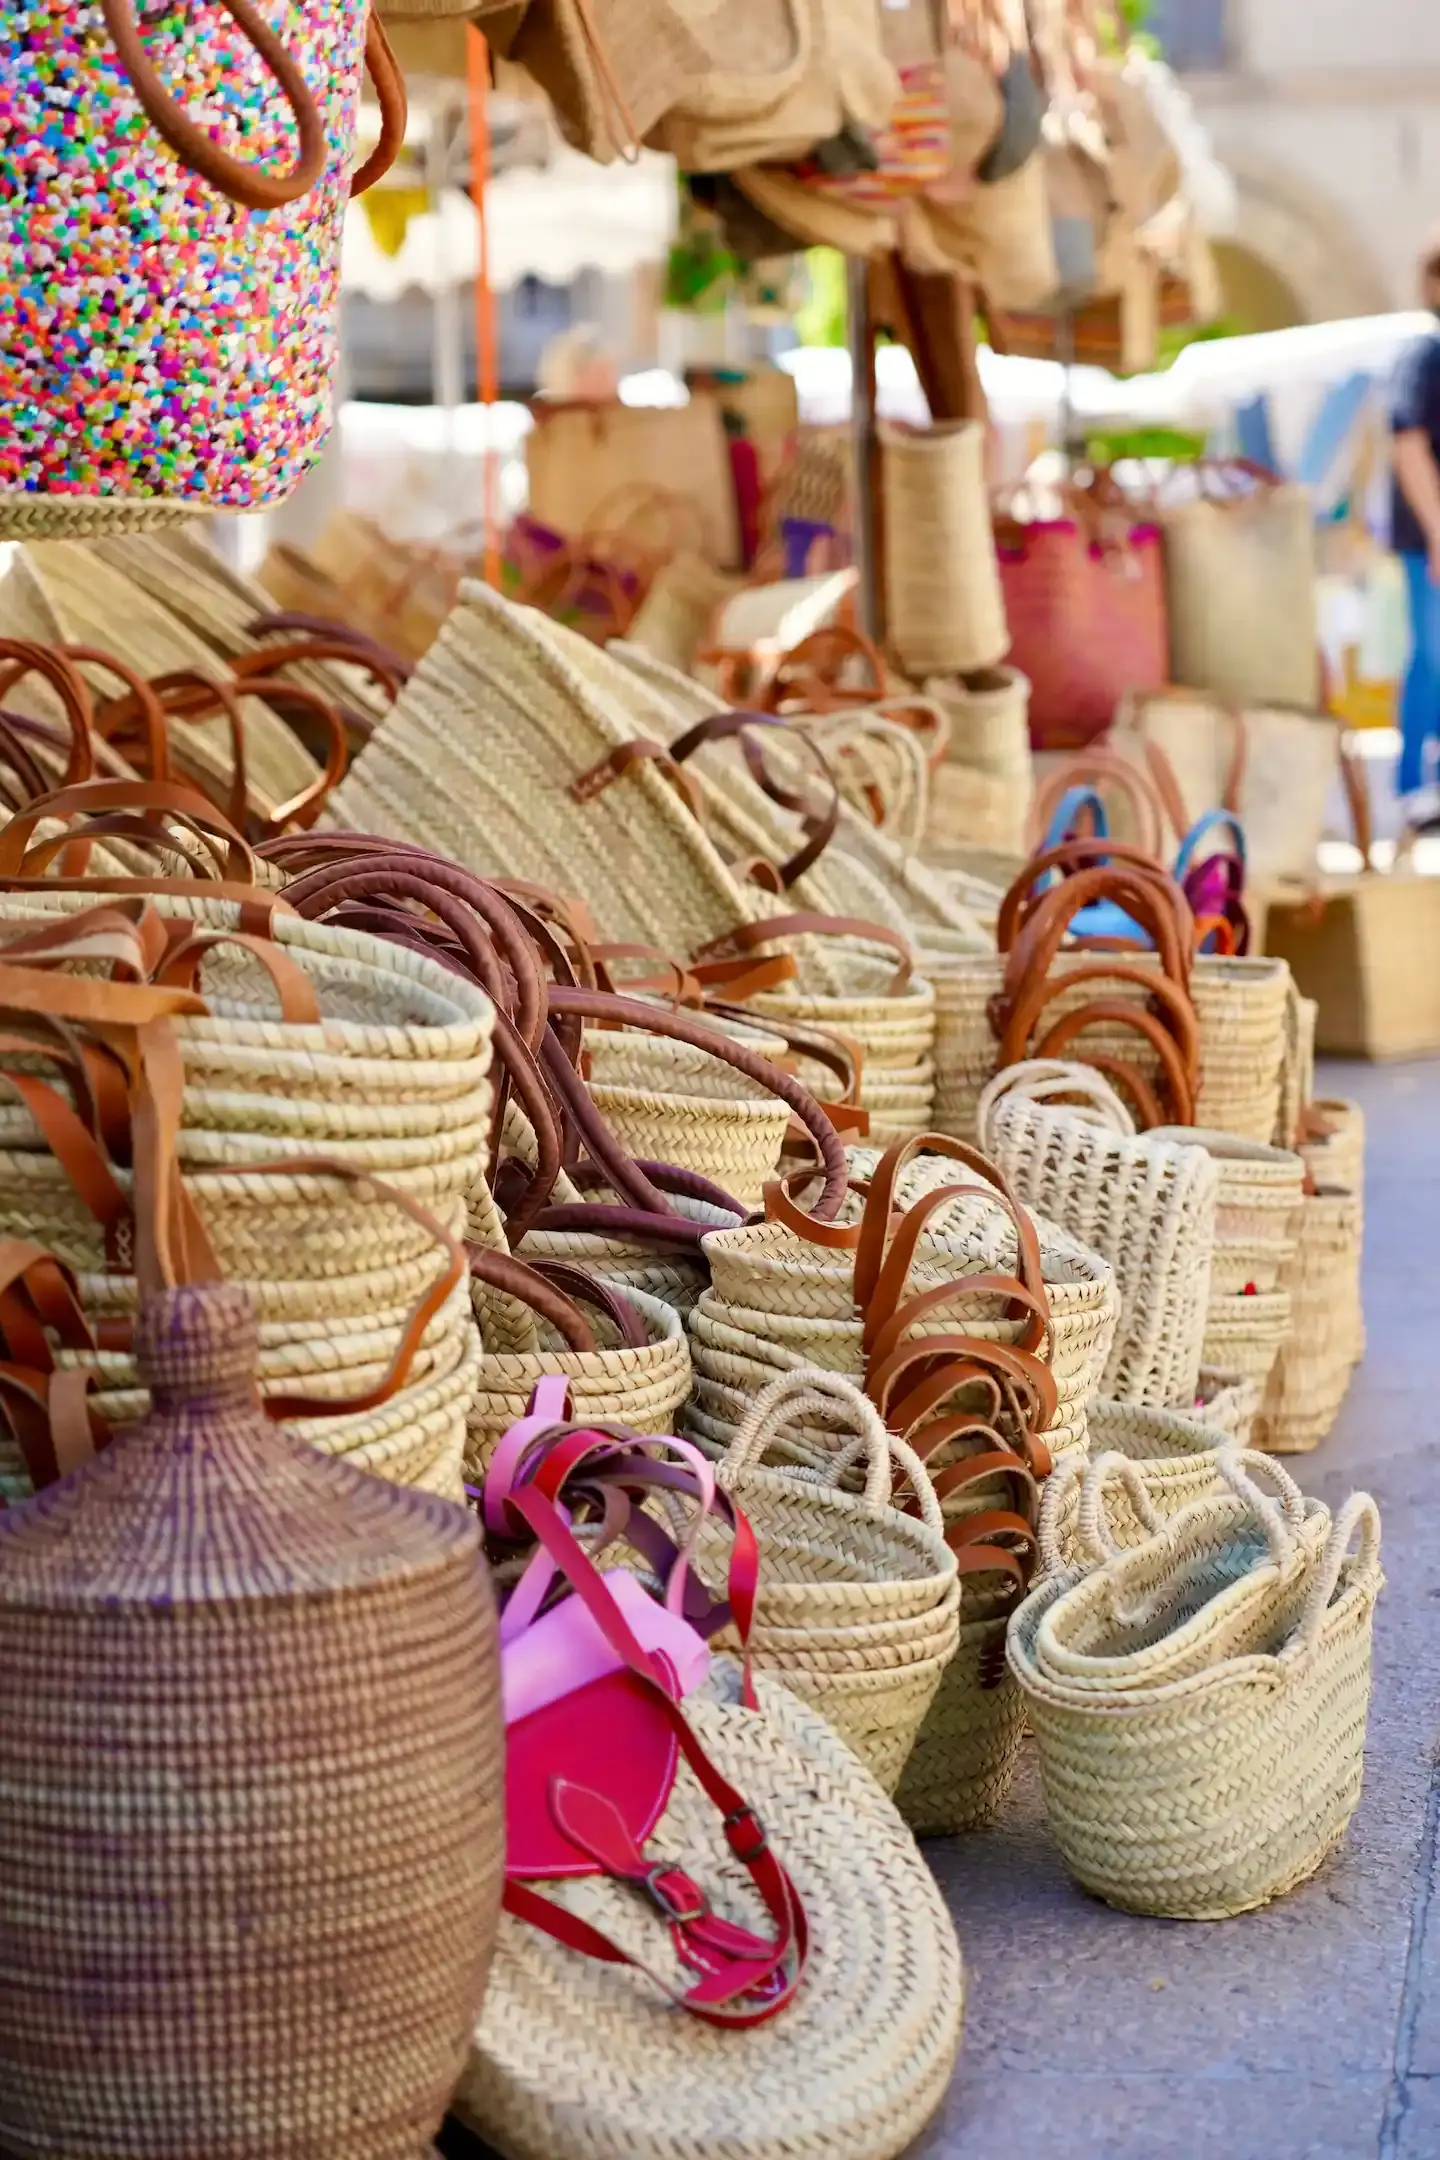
x=33, y=516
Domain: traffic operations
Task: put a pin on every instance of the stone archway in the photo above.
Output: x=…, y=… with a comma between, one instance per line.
x=1303, y=244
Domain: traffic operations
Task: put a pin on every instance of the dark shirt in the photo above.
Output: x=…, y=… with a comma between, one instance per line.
x=1414, y=403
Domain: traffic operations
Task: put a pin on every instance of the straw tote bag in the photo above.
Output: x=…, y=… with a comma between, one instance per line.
x=858, y=1609
x=205, y=381
x=1084, y=597
x=204, y=1557
x=1146, y=1204
x=1274, y=768
x=1088, y=1515
x=1240, y=577
x=579, y=457
x=1217, y=1036
x=1199, y=1702
x=1308, y=1382
x=943, y=603
x=1257, y=1209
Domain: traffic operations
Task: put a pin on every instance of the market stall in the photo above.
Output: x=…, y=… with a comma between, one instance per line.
x=663, y=1178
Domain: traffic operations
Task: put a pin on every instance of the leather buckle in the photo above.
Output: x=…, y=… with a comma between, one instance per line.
x=745, y=1816
x=666, y=1898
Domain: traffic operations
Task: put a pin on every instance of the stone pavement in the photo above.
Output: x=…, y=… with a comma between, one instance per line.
x=1309, y=2031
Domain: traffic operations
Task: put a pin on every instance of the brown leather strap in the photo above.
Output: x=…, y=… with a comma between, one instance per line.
x=299, y=1005
x=517, y=1279
x=156, y=801
x=23, y=656
x=587, y=1289
x=249, y=185
x=389, y=86
x=818, y=826
x=749, y=937
x=1100, y=768
x=625, y=758
x=1095, y=869
x=808, y=676
x=882, y=1270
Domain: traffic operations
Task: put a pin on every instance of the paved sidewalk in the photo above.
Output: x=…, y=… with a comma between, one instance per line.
x=1310, y=2031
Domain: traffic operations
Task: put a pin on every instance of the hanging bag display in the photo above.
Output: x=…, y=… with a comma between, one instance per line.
x=1240, y=574
x=173, y=348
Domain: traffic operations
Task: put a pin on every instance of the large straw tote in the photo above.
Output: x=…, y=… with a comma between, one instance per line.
x=513, y=749
x=859, y=1606
x=1086, y=1513
x=263, y=1624
x=668, y=1102
x=1257, y=1210
x=1240, y=1008
x=639, y=1375
x=1199, y=1703
x=942, y=585
x=192, y=580
x=1240, y=580
x=908, y=895
x=1146, y=1204
x=570, y=2053
x=1309, y=1378
x=64, y=593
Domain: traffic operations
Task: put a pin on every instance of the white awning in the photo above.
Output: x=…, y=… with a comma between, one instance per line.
x=551, y=224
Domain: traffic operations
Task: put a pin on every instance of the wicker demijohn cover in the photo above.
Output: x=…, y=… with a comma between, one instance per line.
x=252, y=1840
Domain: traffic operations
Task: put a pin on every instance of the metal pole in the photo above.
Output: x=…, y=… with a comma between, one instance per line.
x=862, y=439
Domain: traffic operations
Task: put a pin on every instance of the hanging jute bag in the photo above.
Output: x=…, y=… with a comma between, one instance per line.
x=217, y=244
x=1240, y=577
x=1146, y=1204
x=858, y=1609
x=1312, y=1373
x=943, y=604
x=206, y=1558
x=1199, y=1703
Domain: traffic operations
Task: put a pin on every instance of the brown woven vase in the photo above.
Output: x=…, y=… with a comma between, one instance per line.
x=251, y=1844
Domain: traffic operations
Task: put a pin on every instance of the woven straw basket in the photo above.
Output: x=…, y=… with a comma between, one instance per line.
x=1199, y=1703
x=981, y=792
x=642, y=1386
x=1257, y=1212
x=262, y=1625
x=1145, y=1204
x=1240, y=1007
x=390, y=1082
x=944, y=608
x=1244, y=1334
x=570, y=2053
x=1089, y=1513
x=859, y=1605
x=62, y=592
x=1308, y=1381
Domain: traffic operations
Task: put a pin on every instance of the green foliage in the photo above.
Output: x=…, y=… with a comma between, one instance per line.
x=822, y=319
x=1107, y=446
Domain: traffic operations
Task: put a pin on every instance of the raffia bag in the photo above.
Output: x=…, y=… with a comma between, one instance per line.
x=1257, y=1210
x=1199, y=1703
x=1244, y=1334
x=570, y=2053
x=1147, y=1205
x=859, y=1605
x=206, y=1558
x=630, y=1363
x=1235, y=1047
x=942, y=586
x=1240, y=579
x=1309, y=1379
x=1090, y=1510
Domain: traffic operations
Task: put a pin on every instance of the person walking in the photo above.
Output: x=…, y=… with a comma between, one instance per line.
x=1415, y=537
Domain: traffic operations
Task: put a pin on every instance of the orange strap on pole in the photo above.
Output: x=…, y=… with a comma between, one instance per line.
x=477, y=71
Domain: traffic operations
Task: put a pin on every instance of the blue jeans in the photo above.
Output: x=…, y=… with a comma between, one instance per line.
x=1420, y=701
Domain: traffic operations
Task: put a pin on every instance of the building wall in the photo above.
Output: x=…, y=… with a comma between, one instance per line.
x=1328, y=113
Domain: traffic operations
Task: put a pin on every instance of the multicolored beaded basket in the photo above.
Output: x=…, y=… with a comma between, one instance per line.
x=172, y=195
